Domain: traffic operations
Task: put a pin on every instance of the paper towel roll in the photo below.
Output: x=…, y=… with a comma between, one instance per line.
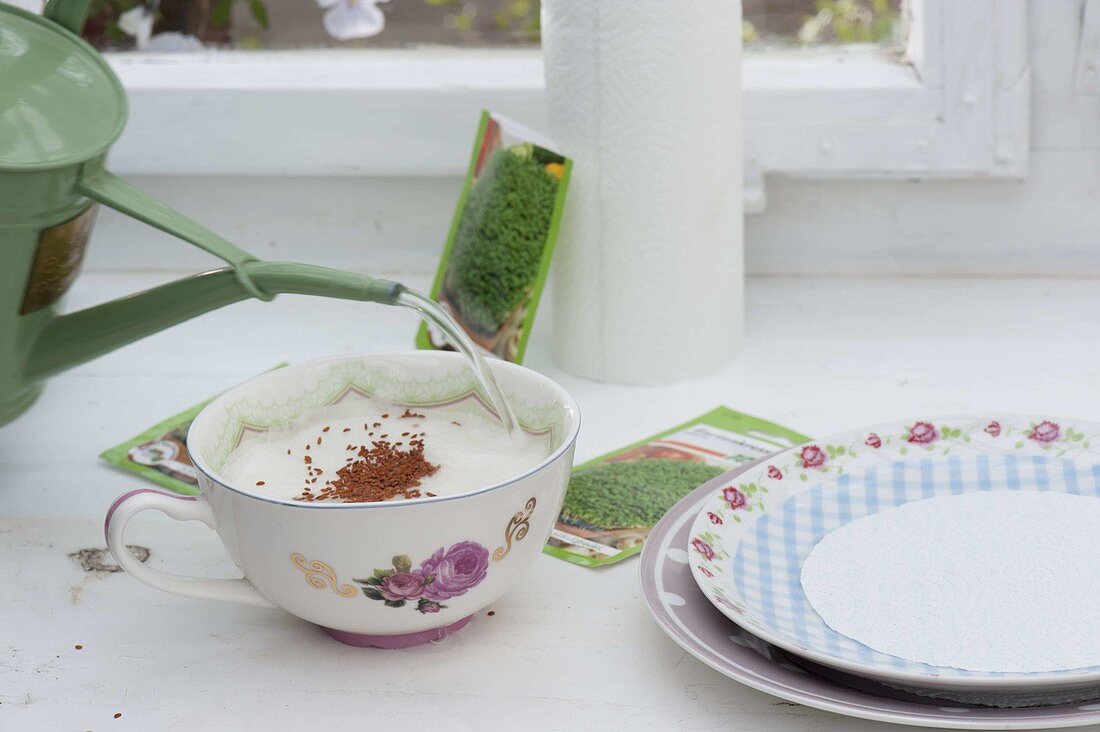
x=644, y=95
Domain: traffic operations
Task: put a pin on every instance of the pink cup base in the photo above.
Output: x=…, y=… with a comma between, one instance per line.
x=392, y=642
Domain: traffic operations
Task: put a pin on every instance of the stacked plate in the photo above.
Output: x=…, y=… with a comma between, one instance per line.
x=906, y=572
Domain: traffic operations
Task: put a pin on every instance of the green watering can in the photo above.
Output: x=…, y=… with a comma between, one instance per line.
x=61, y=107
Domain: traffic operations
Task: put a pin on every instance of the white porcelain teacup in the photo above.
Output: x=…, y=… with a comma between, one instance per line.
x=305, y=557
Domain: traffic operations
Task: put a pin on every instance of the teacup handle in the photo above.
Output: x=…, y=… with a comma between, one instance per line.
x=180, y=508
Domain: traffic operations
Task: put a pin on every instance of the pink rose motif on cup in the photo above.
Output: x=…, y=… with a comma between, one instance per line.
x=873, y=440
x=714, y=518
x=922, y=433
x=447, y=573
x=812, y=456
x=402, y=586
x=993, y=429
x=1045, y=432
x=775, y=473
x=706, y=571
x=703, y=548
x=735, y=498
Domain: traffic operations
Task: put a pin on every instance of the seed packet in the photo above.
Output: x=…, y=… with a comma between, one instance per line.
x=614, y=500
x=159, y=454
x=502, y=236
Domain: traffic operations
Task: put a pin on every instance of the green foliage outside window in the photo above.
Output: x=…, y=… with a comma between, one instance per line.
x=211, y=21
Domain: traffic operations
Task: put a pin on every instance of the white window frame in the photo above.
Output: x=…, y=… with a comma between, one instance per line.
x=956, y=106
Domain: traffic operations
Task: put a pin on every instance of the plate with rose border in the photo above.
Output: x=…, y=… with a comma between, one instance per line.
x=683, y=612
x=748, y=542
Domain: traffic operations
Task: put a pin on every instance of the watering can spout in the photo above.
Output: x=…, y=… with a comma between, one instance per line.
x=77, y=337
x=72, y=339
x=68, y=340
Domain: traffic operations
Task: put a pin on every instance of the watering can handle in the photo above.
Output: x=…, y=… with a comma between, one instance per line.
x=107, y=188
x=69, y=14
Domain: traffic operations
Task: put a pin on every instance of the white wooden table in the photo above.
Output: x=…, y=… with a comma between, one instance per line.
x=568, y=648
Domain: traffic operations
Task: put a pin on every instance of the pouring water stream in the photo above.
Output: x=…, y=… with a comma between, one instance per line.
x=440, y=318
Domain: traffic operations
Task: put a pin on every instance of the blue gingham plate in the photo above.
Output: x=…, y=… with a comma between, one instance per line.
x=748, y=543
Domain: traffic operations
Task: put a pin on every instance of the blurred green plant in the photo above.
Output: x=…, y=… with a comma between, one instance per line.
x=520, y=16
x=223, y=10
x=103, y=20
x=849, y=21
x=208, y=20
x=749, y=33
x=524, y=14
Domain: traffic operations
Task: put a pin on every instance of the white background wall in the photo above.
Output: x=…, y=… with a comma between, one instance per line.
x=1047, y=224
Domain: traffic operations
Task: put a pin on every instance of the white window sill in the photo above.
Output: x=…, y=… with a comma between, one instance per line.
x=848, y=112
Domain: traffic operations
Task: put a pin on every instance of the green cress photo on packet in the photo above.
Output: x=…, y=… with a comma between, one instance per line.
x=159, y=454
x=613, y=501
x=498, y=252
